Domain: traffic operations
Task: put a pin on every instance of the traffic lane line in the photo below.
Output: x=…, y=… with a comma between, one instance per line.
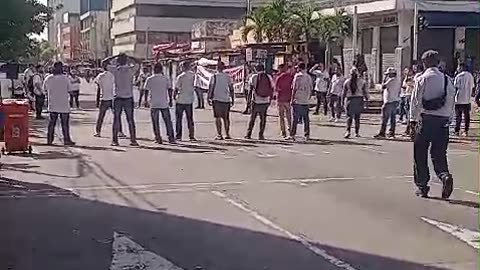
x=339, y=263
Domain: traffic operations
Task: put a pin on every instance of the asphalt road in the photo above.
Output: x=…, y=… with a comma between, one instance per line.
x=232, y=205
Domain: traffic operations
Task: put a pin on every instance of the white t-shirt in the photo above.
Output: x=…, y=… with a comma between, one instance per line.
x=75, y=83
x=464, y=83
x=302, y=88
x=158, y=85
x=337, y=85
x=106, y=83
x=253, y=83
x=222, y=83
x=57, y=87
x=38, y=87
x=392, y=90
x=321, y=81
x=186, y=87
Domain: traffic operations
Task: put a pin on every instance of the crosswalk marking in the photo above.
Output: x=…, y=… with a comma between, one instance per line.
x=127, y=254
x=472, y=238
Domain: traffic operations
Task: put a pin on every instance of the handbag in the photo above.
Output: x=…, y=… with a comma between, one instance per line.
x=436, y=103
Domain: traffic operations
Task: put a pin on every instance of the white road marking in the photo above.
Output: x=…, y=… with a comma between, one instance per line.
x=266, y=155
x=472, y=238
x=472, y=192
x=127, y=254
x=318, y=251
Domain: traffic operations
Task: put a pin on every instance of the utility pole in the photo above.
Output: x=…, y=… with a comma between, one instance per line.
x=415, y=31
x=147, y=35
x=249, y=6
x=355, y=30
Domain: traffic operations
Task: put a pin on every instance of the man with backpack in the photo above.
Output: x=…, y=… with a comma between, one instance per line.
x=431, y=109
x=261, y=94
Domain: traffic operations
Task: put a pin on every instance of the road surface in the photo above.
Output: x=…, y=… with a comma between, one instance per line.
x=232, y=205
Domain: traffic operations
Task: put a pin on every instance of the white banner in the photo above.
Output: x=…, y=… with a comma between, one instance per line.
x=203, y=76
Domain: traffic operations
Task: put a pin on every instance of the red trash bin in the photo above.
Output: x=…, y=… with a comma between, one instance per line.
x=16, y=130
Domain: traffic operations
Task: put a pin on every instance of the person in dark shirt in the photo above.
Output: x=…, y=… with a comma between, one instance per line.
x=283, y=88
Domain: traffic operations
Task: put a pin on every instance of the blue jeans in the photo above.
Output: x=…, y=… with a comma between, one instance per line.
x=389, y=113
x=167, y=119
x=119, y=105
x=300, y=113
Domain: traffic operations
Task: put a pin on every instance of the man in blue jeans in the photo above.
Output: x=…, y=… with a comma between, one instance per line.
x=123, y=69
x=392, y=87
x=161, y=101
x=302, y=91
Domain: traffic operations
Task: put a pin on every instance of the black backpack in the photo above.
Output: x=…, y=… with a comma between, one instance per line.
x=436, y=103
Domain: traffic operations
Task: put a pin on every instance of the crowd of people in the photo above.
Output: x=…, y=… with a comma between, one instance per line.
x=424, y=97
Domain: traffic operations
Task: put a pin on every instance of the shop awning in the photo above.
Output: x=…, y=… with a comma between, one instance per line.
x=436, y=19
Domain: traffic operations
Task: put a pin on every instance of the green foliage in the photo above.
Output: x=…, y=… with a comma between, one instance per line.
x=19, y=19
x=280, y=20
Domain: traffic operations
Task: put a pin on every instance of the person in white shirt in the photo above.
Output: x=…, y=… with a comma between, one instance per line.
x=392, y=87
x=123, y=68
x=432, y=107
x=336, y=89
x=185, y=96
x=105, y=82
x=38, y=91
x=161, y=100
x=144, y=74
x=302, y=90
x=221, y=97
x=261, y=87
x=58, y=86
x=199, y=91
x=321, y=87
x=464, y=84
x=75, y=88
x=354, y=95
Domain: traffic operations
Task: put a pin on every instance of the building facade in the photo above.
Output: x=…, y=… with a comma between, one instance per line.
x=386, y=35
x=60, y=7
x=140, y=24
x=70, y=48
x=95, y=35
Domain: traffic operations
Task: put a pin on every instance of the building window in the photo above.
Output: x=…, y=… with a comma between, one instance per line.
x=388, y=39
x=367, y=41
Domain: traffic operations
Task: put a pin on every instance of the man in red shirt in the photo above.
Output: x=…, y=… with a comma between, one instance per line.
x=283, y=87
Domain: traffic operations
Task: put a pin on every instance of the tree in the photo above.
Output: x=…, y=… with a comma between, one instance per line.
x=257, y=23
x=308, y=20
x=278, y=14
x=20, y=19
x=335, y=28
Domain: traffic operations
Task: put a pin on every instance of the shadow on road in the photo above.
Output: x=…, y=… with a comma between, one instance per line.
x=67, y=232
x=457, y=202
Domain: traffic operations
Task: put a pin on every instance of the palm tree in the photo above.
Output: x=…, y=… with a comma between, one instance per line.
x=257, y=23
x=277, y=16
x=335, y=28
x=308, y=20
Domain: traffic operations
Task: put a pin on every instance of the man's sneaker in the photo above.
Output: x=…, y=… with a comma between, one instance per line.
x=357, y=135
x=465, y=134
x=447, y=189
x=261, y=138
x=336, y=120
x=193, y=139
x=228, y=137
x=97, y=135
x=178, y=138
x=69, y=143
x=422, y=192
x=379, y=136
x=307, y=137
x=247, y=137
x=331, y=119
x=159, y=141
x=134, y=143
x=121, y=135
x=291, y=138
x=316, y=113
x=114, y=144
x=391, y=136
x=456, y=133
x=219, y=138
x=347, y=135
x=172, y=141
